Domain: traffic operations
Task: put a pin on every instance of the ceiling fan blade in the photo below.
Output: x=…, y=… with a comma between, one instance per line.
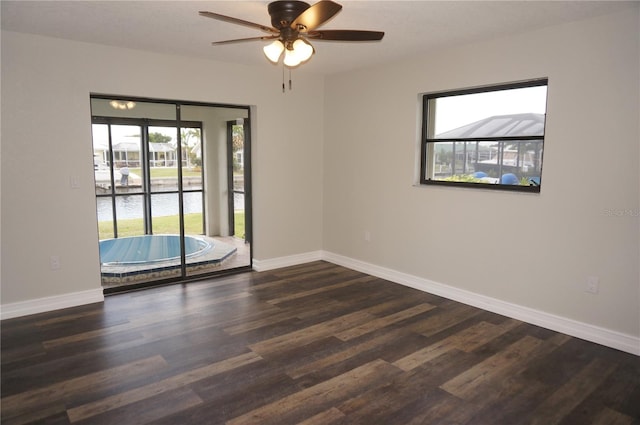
x=316, y=15
x=238, y=21
x=346, y=35
x=237, y=40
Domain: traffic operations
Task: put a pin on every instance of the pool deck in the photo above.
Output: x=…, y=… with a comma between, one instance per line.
x=116, y=275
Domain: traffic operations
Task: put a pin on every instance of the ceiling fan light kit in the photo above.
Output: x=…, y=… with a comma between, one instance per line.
x=300, y=51
x=273, y=51
x=293, y=22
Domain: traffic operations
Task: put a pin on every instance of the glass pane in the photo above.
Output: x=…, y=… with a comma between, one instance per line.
x=132, y=109
x=101, y=158
x=239, y=216
x=193, y=214
x=501, y=113
x=238, y=180
x=191, y=158
x=203, y=253
x=126, y=146
x=165, y=215
x=499, y=162
x=213, y=158
x=163, y=158
x=105, y=217
x=130, y=215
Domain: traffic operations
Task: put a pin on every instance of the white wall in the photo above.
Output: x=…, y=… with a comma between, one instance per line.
x=345, y=163
x=532, y=250
x=46, y=139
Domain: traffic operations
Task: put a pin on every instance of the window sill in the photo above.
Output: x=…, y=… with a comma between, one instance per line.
x=482, y=186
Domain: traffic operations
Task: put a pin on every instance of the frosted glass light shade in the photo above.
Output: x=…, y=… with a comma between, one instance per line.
x=273, y=51
x=291, y=59
x=302, y=49
x=297, y=53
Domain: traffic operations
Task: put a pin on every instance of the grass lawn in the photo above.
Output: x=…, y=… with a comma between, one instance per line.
x=239, y=224
x=164, y=225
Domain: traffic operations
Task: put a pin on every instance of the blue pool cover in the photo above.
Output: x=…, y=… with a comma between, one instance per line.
x=148, y=248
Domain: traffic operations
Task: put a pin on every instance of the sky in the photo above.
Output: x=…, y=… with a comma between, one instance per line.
x=456, y=111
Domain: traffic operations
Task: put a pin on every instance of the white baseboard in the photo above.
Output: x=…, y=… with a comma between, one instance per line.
x=291, y=260
x=606, y=337
x=599, y=335
x=56, y=302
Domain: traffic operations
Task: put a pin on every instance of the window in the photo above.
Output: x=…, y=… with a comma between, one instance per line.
x=489, y=137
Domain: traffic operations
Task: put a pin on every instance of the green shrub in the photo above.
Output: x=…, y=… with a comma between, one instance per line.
x=466, y=178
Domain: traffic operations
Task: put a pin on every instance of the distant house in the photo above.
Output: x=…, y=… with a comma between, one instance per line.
x=128, y=152
x=162, y=155
x=493, y=158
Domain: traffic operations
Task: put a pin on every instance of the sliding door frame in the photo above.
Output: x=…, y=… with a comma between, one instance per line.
x=145, y=123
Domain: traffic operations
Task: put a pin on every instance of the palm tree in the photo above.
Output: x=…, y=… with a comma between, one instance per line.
x=189, y=137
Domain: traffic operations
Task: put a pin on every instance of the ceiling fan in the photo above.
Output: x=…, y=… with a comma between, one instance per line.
x=293, y=24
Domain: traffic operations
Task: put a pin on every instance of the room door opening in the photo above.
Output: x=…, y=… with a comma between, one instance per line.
x=163, y=205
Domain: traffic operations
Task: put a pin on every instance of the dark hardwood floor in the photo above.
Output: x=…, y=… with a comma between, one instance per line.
x=311, y=344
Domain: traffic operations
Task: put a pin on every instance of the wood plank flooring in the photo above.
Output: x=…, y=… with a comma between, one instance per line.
x=310, y=344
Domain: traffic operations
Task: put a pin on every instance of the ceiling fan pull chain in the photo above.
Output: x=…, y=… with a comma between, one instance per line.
x=282, y=78
x=289, y=78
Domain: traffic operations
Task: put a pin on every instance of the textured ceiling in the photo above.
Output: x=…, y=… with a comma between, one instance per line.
x=174, y=27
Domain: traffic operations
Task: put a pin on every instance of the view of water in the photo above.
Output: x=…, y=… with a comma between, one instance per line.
x=131, y=206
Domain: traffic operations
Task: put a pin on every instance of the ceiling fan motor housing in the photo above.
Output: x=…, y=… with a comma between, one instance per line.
x=284, y=12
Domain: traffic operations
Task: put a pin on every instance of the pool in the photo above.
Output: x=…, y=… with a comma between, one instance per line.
x=146, y=258
x=150, y=249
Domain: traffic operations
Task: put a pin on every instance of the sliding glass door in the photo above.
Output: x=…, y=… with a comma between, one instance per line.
x=162, y=205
